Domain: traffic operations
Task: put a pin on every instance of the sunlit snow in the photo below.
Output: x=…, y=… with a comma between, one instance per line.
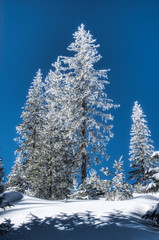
x=34, y=218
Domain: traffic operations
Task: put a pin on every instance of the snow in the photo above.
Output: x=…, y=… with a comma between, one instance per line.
x=151, y=185
x=155, y=154
x=7, y=198
x=33, y=218
x=155, y=169
x=11, y=196
x=156, y=176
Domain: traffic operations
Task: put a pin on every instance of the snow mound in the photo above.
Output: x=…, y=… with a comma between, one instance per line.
x=11, y=196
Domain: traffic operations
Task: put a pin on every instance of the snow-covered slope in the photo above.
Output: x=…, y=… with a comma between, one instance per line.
x=34, y=218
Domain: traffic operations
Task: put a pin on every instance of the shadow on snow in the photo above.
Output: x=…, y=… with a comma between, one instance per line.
x=84, y=227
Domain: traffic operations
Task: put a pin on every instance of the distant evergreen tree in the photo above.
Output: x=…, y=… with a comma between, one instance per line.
x=117, y=188
x=88, y=101
x=1, y=176
x=27, y=170
x=141, y=147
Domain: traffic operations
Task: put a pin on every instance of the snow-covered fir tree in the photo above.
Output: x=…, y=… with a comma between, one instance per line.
x=155, y=159
x=153, y=173
x=153, y=186
x=1, y=176
x=17, y=179
x=117, y=188
x=91, y=188
x=88, y=100
x=57, y=143
x=141, y=147
x=27, y=167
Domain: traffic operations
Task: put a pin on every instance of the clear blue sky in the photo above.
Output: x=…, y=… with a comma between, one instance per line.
x=34, y=32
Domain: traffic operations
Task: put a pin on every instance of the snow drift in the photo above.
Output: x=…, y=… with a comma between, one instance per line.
x=33, y=218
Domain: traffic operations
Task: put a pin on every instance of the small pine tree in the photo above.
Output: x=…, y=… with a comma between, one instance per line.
x=155, y=159
x=153, y=186
x=153, y=173
x=117, y=188
x=1, y=176
x=141, y=147
x=17, y=179
x=91, y=188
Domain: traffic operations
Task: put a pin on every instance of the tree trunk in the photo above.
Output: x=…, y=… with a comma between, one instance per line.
x=84, y=156
x=83, y=168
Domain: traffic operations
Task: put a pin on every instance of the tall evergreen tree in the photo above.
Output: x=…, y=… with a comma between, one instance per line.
x=1, y=176
x=88, y=100
x=27, y=165
x=56, y=140
x=141, y=147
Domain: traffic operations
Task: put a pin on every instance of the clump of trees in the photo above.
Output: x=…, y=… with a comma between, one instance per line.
x=65, y=127
x=115, y=189
x=65, y=123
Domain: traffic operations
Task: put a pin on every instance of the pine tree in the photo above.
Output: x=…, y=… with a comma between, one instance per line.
x=153, y=173
x=28, y=155
x=117, y=188
x=56, y=141
x=153, y=186
x=141, y=147
x=1, y=176
x=17, y=179
x=91, y=188
x=88, y=100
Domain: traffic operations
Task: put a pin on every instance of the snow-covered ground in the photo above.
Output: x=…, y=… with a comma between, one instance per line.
x=33, y=218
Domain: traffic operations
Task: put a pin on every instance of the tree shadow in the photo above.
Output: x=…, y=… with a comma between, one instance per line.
x=84, y=227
